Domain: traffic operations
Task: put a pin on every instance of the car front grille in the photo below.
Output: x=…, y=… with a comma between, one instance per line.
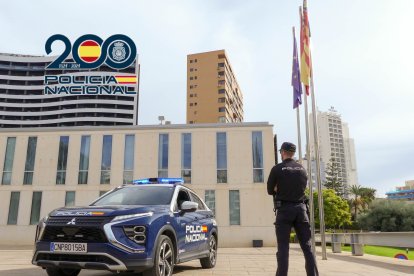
x=80, y=221
x=74, y=234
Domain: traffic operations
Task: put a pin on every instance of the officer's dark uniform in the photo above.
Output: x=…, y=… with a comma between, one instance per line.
x=287, y=183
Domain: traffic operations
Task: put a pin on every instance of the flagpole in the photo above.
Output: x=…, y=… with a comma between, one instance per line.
x=298, y=121
x=318, y=169
x=299, y=136
x=309, y=169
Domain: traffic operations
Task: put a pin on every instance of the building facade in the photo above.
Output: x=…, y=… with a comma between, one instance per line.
x=226, y=164
x=24, y=104
x=403, y=193
x=213, y=94
x=335, y=143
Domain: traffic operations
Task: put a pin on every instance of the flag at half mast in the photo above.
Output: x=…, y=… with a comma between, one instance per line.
x=305, y=55
x=297, y=88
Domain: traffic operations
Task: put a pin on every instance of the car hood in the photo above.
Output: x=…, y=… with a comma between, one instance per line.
x=108, y=211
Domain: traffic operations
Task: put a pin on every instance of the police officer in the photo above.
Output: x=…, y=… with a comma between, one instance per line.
x=287, y=184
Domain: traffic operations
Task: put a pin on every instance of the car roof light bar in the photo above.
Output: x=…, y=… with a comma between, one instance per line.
x=159, y=180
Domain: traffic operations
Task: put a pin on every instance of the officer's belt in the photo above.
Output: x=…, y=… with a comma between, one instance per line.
x=295, y=202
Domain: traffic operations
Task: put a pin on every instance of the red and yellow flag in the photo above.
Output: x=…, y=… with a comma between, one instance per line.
x=305, y=55
x=89, y=51
x=126, y=79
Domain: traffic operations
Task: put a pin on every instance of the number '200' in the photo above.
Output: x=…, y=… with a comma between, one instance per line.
x=117, y=51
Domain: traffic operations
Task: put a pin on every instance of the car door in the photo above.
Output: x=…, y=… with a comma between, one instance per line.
x=203, y=223
x=184, y=224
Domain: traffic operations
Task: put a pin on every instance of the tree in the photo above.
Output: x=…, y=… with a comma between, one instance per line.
x=356, y=201
x=334, y=179
x=367, y=196
x=388, y=216
x=337, y=213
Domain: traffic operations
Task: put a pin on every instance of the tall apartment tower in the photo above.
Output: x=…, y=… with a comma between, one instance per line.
x=213, y=94
x=335, y=142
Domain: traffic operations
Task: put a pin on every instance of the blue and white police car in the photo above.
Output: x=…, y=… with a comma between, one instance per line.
x=148, y=227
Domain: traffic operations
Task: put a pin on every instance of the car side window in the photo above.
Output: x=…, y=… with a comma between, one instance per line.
x=182, y=196
x=197, y=200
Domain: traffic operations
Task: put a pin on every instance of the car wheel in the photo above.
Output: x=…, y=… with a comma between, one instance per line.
x=164, y=258
x=210, y=261
x=52, y=271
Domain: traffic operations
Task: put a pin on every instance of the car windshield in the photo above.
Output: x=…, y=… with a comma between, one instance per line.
x=145, y=195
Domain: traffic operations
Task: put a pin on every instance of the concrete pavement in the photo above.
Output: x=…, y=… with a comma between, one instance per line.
x=240, y=261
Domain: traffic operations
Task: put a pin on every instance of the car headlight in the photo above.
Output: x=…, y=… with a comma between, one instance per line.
x=141, y=215
x=41, y=228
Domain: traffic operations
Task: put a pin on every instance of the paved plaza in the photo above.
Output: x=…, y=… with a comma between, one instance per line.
x=240, y=261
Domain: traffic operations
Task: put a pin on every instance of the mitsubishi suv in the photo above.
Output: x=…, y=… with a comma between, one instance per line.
x=148, y=227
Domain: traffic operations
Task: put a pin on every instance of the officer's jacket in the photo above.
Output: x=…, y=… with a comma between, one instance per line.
x=287, y=181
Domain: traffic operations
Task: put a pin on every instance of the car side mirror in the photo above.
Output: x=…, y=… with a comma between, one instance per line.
x=189, y=206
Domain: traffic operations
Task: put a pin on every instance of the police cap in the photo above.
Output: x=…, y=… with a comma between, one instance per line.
x=286, y=146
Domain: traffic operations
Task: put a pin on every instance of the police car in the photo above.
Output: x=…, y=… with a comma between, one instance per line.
x=148, y=227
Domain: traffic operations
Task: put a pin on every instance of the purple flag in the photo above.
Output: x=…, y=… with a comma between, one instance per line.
x=297, y=88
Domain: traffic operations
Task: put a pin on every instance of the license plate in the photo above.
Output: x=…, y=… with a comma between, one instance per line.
x=68, y=247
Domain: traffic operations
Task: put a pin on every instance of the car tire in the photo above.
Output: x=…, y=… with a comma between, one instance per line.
x=52, y=271
x=210, y=261
x=164, y=258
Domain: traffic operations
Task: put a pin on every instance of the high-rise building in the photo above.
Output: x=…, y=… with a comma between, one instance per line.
x=335, y=143
x=213, y=94
x=24, y=104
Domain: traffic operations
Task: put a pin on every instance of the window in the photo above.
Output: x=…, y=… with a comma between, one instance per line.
x=221, y=100
x=70, y=198
x=62, y=160
x=222, y=109
x=191, y=61
x=36, y=204
x=163, y=155
x=8, y=161
x=210, y=199
x=195, y=60
x=186, y=157
x=197, y=200
x=257, y=150
x=234, y=205
x=106, y=159
x=191, y=104
x=221, y=145
x=222, y=91
x=84, y=159
x=191, y=78
x=13, y=208
x=129, y=158
x=221, y=82
x=30, y=161
x=191, y=95
x=191, y=69
x=222, y=119
x=221, y=64
x=195, y=77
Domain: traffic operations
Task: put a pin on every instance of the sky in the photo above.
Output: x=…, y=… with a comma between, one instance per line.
x=362, y=60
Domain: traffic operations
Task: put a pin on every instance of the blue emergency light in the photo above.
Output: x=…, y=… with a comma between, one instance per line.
x=159, y=180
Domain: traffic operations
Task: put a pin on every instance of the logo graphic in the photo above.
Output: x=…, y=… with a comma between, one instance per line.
x=72, y=222
x=118, y=51
x=90, y=51
x=195, y=233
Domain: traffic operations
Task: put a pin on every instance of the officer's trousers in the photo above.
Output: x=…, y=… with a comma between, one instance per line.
x=293, y=215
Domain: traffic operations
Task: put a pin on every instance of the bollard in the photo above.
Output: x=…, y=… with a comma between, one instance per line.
x=356, y=245
x=336, y=243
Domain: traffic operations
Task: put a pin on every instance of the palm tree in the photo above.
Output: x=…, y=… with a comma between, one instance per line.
x=356, y=202
x=367, y=196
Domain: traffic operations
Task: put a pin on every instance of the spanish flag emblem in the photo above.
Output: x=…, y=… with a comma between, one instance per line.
x=126, y=79
x=89, y=51
x=204, y=228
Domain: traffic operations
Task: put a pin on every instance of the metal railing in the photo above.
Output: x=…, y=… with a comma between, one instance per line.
x=358, y=240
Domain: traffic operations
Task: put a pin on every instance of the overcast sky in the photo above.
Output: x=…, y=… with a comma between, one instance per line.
x=362, y=54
